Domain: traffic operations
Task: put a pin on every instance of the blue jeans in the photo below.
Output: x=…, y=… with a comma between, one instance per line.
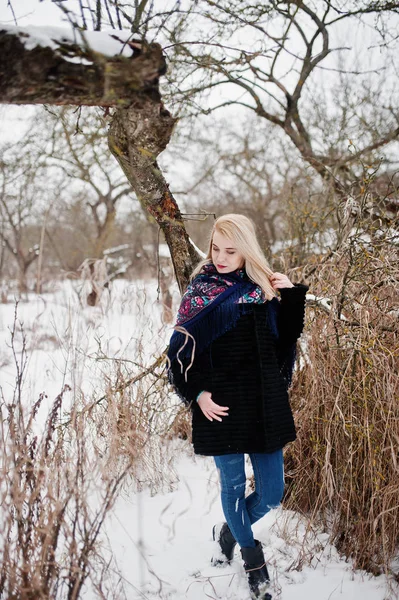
x=241, y=511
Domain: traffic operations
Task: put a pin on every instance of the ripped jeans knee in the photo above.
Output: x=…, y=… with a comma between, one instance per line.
x=240, y=511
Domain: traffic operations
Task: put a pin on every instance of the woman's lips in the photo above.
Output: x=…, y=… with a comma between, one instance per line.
x=221, y=266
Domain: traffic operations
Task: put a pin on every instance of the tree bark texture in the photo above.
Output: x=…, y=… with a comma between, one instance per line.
x=44, y=75
x=137, y=136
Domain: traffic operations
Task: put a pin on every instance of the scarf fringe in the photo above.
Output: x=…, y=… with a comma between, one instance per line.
x=196, y=335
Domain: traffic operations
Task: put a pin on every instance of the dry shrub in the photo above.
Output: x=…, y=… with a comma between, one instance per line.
x=50, y=523
x=135, y=420
x=56, y=490
x=60, y=479
x=181, y=425
x=344, y=467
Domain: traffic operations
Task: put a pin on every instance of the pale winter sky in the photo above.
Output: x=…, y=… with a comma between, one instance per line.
x=30, y=12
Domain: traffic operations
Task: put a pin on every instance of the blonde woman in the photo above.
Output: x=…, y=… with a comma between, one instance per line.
x=231, y=360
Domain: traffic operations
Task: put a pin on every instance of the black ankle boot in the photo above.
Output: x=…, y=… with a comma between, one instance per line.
x=226, y=543
x=255, y=567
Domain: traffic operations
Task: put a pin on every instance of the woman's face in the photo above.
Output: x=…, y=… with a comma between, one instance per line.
x=225, y=256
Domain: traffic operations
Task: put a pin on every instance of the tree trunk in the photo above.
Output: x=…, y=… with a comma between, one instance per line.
x=22, y=278
x=137, y=136
x=104, y=232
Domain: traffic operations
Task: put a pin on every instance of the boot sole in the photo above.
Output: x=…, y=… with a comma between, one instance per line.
x=263, y=595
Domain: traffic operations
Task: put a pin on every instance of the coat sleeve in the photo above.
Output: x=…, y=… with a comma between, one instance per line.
x=291, y=315
x=199, y=377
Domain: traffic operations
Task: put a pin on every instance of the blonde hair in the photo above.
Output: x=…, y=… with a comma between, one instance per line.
x=241, y=231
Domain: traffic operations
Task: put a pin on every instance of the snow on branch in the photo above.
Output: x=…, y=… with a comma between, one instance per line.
x=53, y=65
x=324, y=303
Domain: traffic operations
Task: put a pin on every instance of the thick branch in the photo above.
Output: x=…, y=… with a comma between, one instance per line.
x=67, y=72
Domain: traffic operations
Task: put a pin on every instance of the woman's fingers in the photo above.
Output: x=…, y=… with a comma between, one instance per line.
x=210, y=409
x=211, y=416
x=214, y=411
x=219, y=410
x=279, y=280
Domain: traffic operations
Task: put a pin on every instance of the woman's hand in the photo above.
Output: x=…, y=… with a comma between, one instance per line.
x=210, y=409
x=279, y=280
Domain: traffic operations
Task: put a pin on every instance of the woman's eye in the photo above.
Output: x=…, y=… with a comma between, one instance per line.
x=217, y=250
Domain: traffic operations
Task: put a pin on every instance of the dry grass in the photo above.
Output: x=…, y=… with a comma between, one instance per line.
x=50, y=526
x=60, y=479
x=344, y=468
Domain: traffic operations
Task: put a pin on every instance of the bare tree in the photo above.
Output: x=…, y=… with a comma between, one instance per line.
x=76, y=144
x=269, y=58
x=290, y=42
x=21, y=198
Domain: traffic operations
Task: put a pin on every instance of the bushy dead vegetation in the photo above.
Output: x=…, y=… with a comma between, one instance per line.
x=344, y=468
x=61, y=475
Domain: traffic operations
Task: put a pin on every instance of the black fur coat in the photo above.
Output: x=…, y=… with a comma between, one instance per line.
x=242, y=370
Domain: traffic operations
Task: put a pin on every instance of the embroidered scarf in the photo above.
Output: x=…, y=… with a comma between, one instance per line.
x=209, y=286
x=211, y=305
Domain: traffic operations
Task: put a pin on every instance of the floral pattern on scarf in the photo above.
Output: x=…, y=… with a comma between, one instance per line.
x=207, y=286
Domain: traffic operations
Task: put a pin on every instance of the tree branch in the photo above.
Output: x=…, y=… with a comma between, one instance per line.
x=68, y=72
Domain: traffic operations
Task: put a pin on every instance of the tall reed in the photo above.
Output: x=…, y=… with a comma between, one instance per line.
x=344, y=468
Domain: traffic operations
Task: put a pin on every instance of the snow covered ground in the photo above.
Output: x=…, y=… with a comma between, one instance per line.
x=65, y=340
x=160, y=543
